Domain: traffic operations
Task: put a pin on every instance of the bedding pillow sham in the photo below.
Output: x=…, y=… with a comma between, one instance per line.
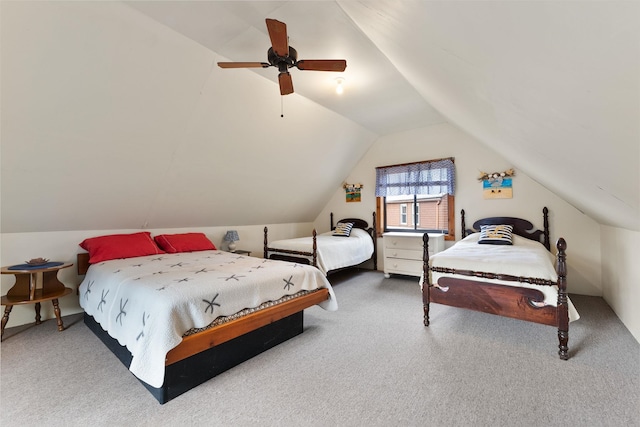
x=115, y=246
x=184, y=242
x=343, y=229
x=496, y=235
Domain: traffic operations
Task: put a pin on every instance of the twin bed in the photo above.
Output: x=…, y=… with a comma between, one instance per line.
x=351, y=243
x=503, y=266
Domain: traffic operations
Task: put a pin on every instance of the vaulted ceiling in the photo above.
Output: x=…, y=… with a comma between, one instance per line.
x=554, y=87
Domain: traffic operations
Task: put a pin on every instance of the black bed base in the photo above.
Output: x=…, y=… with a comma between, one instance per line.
x=186, y=374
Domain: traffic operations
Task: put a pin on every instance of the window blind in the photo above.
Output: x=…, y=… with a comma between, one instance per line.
x=429, y=177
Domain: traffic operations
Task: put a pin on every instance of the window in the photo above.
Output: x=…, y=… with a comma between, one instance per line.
x=417, y=197
x=403, y=214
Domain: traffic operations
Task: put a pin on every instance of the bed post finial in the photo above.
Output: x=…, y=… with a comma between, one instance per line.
x=426, y=281
x=265, y=243
x=315, y=246
x=331, y=216
x=374, y=226
x=545, y=218
x=563, y=310
x=464, y=227
x=374, y=235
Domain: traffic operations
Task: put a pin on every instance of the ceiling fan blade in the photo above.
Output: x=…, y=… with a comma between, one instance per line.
x=286, y=84
x=278, y=35
x=322, y=64
x=243, y=64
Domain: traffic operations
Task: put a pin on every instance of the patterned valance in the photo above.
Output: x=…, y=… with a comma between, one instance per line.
x=430, y=177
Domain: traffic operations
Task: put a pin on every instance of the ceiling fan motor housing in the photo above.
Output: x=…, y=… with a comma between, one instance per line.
x=282, y=63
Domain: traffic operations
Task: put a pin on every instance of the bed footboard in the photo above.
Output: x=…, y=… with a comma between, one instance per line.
x=507, y=301
x=293, y=256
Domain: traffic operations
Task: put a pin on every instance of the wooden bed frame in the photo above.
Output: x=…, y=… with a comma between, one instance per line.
x=507, y=301
x=302, y=257
x=203, y=355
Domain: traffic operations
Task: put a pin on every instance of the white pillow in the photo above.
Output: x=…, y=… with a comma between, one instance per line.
x=495, y=235
x=343, y=229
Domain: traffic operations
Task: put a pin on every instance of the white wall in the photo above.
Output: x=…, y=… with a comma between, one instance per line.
x=471, y=157
x=621, y=273
x=547, y=83
x=111, y=120
x=15, y=248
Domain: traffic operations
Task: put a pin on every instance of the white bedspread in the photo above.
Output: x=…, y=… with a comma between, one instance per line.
x=333, y=251
x=148, y=303
x=525, y=258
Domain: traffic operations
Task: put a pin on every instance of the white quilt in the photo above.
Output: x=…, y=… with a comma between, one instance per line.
x=525, y=258
x=148, y=303
x=333, y=251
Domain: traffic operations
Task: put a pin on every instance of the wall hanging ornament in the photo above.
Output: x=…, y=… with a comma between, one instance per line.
x=497, y=185
x=352, y=192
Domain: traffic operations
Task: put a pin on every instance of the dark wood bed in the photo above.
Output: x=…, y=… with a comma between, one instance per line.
x=311, y=257
x=203, y=355
x=509, y=301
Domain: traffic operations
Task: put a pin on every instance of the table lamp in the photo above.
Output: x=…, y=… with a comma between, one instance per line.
x=232, y=238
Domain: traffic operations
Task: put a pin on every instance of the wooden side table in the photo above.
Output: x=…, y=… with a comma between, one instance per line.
x=25, y=290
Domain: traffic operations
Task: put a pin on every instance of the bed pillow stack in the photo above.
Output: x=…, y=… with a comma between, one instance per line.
x=496, y=235
x=343, y=229
x=185, y=242
x=115, y=246
x=118, y=246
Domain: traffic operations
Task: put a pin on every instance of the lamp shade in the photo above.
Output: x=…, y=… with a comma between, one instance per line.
x=231, y=236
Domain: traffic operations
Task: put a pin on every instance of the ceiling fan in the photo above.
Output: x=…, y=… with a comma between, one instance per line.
x=282, y=56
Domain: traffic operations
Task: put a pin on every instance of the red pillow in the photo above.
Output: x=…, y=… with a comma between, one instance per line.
x=114, y=246
x=186, y=242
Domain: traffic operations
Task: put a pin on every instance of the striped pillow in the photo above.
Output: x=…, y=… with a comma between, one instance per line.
x=496, y=234
x=343, y=229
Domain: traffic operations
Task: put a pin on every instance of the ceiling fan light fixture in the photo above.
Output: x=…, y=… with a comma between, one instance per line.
x=283, y=57
x=339, y=85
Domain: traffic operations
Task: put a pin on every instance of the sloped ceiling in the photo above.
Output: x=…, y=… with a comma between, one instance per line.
x=378, y=97
x=111, y=120
x=554, y=87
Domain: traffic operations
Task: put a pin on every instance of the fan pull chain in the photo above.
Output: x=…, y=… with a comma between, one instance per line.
x=281, y=106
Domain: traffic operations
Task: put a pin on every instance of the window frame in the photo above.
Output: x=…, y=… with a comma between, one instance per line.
x=381, y=212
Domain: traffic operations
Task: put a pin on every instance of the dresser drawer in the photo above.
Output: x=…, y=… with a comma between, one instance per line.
x=393, y=242
x=403, y=253
x=408, y=267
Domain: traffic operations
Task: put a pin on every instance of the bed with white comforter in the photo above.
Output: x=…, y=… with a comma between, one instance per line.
x=148, y=303
x=525, y=258
x=333, y=252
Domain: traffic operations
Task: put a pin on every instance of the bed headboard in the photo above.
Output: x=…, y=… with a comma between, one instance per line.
x=82, y=261
x=357, y=222
x=521, y=227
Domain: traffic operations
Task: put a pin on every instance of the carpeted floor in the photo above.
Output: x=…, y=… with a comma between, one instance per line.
x=370, y=363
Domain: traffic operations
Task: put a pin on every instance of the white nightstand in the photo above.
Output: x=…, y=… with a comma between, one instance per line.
x=403, y=252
